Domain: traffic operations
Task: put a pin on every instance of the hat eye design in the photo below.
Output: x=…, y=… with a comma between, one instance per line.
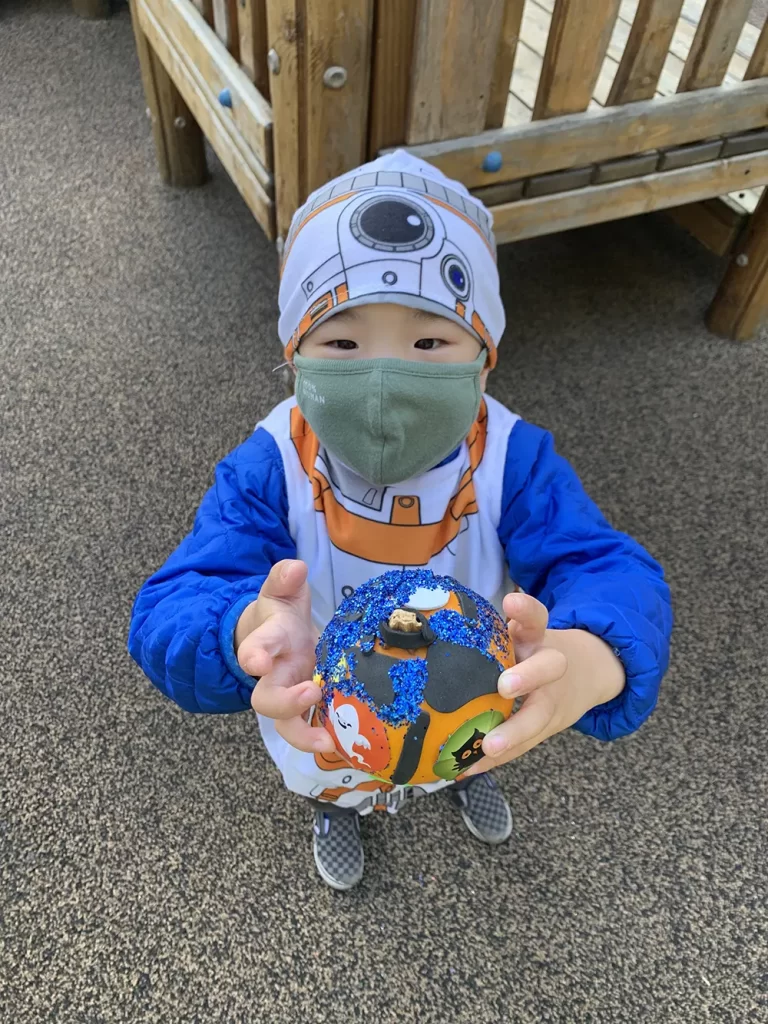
x=392, y=225
x=456, y=276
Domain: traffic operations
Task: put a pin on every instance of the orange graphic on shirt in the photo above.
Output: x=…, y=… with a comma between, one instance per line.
x=404, y=540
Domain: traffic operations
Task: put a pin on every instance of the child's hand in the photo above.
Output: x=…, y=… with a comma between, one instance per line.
x=561, y=674
x=275, y=639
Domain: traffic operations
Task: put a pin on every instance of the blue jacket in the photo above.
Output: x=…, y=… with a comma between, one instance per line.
x=559, y=548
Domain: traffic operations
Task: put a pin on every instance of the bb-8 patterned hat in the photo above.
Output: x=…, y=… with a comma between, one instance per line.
x=394, y=230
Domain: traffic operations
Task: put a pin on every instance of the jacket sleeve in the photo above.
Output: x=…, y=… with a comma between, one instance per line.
x=184, y=617
x=561, y=550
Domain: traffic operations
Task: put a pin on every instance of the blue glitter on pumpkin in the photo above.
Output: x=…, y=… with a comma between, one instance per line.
x=356, y=625
x=409, y=680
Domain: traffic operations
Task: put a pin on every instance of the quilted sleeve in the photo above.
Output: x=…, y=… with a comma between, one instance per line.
x=560, y=548
x=184, y=617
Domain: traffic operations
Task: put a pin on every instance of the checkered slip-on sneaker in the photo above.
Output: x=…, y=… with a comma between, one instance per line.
x=483, y=808
x=338, y=849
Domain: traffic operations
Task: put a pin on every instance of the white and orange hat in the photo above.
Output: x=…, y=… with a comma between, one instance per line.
x=394, y=230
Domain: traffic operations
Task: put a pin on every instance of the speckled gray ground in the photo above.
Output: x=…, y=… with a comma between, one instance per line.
x=152, y=869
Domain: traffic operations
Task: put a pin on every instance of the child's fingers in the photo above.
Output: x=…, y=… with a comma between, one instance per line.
x=256, y=653
x=275, y=699
x=520, y=733
x=528, y=618
x=285, y=580
x=303, y=736
x=544, y=666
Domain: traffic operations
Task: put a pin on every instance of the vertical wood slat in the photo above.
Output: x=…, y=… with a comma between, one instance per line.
x=714, y=43
x=393, y=34
x=206, y=9
x=179, y=142
x=337, y=34
x=225, y=25
x=758, y=65
x=252, y=29
x=647, y=47
x=144, y=53
x=505, y=59
x=453, y=64
x=741, y=303
x=283, y=35
x=576, y=47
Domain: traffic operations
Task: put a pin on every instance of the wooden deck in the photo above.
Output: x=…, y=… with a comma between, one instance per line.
x=537, y=16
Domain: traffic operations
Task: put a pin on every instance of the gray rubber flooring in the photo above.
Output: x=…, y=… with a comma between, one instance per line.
x=152, y=869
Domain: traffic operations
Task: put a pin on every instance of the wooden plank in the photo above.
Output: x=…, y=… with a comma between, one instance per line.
x=393, y=34
x=146, y=68
x=505, y=60
x=715, y=41
x=578, y=40
x=225, y=25
x=184, y=141
x=578, y=139
x=646, y=51
x=626, y=167
x=558, y=181
x=693, y=10
x=250, y=113
x=288, y=111
x=252, y=29
x=454, y=59
x=741, y=303
x=529, y=218
x=714, y=222
x=685, y=156
x=758, y=65
x=233, y=151
x=748, y=142
x=338, y=34
x=205, y=7
x=495, y=195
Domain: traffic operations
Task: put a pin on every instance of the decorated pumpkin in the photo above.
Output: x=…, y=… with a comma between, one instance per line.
x=409, y=667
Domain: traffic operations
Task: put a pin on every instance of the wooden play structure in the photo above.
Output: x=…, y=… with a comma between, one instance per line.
x=558, y=113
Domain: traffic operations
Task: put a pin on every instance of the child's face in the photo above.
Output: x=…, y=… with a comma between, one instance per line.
x=381, y=331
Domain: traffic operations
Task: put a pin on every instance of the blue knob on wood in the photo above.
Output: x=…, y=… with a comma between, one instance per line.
x=225, y=98
x=493, y=162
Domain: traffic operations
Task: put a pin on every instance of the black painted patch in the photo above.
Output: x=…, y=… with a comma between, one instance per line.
x=468, y=606
x=373, y=672
x=456, y=675
x=410, y=755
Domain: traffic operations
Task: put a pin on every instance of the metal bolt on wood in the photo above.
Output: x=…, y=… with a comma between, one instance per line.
x=335, y=77
x=273, y=61
x=742, y=260
x=179, y=122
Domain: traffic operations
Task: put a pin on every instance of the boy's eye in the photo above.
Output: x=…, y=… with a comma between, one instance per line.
x=344, y=344
x=428, y=344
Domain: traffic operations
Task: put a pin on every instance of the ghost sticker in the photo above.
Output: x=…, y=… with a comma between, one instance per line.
x=465, y=746
x=359, y=736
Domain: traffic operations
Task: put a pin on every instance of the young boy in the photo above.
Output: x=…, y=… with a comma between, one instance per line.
x=390, y=457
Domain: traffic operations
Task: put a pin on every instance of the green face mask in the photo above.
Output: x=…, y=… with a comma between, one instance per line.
x=389, y=419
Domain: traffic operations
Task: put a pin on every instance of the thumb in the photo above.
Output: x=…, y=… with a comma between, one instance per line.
x=528, y=618
x=285, y=581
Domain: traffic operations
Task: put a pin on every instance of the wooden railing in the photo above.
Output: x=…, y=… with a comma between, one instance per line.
x=557, y=113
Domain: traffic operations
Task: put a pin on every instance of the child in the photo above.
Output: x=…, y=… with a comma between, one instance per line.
x=389, y=457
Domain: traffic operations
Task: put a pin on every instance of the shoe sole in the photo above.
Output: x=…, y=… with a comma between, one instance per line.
x=329, y=879
x=471, y=827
